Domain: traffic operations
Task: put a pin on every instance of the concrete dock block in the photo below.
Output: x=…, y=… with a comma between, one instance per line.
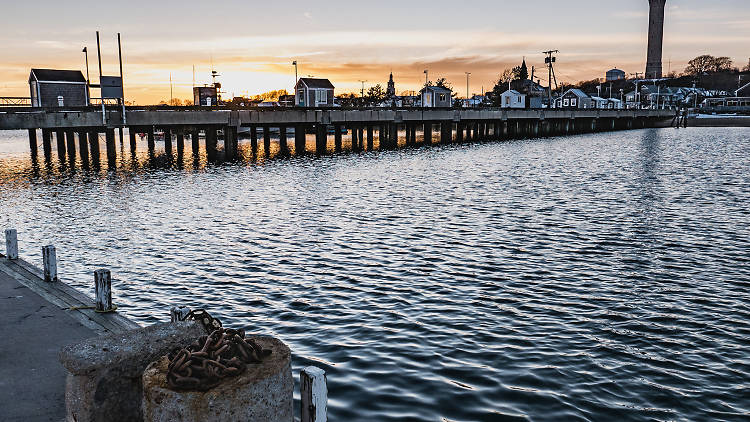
x=104, y=373
x=263, y=393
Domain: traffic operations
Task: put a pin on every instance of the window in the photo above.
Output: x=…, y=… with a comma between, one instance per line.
x=566, y=102
x=301, y=98
x=573, y=102
x=321, y=96
x=442, y=97
x=507, y=100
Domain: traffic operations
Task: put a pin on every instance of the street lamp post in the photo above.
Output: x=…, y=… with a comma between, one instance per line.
x=85, y=52
x=295, y=73
x=467, y=87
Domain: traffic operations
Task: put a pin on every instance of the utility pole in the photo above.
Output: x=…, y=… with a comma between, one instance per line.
x=549, y=61
x=426, y=74
x=363, y=89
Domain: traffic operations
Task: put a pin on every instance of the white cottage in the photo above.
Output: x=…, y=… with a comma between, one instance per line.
x=311, y=92
x=512, y=99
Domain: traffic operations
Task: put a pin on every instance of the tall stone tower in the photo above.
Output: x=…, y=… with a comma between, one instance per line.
x=655, y=38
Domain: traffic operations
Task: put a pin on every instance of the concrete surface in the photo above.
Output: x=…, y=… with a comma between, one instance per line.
x=32, y=380
x=105, y=371
x=263, y=393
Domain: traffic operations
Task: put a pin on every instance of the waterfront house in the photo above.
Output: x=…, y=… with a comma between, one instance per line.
x=313, y=92
x=512, y=99
x=599, y=102
x=436, y=96
x=574, y=99
x=58, y=88
x=614, y=104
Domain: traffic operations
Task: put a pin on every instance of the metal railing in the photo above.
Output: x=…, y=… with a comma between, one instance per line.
x=15, y=101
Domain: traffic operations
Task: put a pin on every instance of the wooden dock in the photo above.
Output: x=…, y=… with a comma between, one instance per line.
x=38, y=319
x=421, y=127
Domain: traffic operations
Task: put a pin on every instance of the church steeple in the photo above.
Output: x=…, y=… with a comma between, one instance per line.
x=391, y=90
x=524, y=70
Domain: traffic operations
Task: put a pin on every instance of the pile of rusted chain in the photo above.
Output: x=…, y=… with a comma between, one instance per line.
x=206, y=363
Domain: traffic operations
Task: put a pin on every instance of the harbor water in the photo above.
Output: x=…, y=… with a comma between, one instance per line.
x=592, y=277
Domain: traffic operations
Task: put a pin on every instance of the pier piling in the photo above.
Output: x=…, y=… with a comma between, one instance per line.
x=60, y=138
x=94, y=147
x=428, y=133
x=299, y=140
x=282, y=141
x=103, y=290
x=168, y=141
x=337, y=138
x=47, y=144
x=49, y=263
x=321, y=138
x=33, y=142
x=254, y=138
x=131, y=133
x=11, y=244
x=370, y=137
x=266, y=140
x=211, y=141
x=83, y=147
x=180, y=143
x=150, y=139
x=313, y=395
x=195, y=141
x=111, y=147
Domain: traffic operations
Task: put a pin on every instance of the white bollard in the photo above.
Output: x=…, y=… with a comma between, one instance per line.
x=313, y=394
x=103, y=290
x=178, y=313
x=49, y=263
x=11, y=244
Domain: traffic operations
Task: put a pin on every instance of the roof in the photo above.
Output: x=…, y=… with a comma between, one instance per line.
x=53, y=75
x=435, y=88
x=615, y=70
x=577, y=92
x=317, y=83
x=742, y=89
x=511, y=92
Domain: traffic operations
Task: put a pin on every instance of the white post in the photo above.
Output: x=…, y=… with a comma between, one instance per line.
x=178, y=313
x=314, y=394
x=11, y=244
x=49, y=261
x=103, y=290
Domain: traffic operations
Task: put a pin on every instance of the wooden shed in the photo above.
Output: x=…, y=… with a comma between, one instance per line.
x=58, y=88
x=312, y=92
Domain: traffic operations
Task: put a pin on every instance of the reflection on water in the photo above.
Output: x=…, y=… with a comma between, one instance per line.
x=594, y=277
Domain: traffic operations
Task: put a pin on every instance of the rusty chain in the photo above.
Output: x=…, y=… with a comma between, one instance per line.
x=222, y=354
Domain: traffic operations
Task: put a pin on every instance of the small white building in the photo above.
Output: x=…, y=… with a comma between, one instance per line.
x=436, y=96
x=512, y=99
x=599, y=102
x=614, y=104
x=311, y=92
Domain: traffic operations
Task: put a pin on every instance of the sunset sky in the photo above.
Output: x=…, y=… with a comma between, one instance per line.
x=252, y=44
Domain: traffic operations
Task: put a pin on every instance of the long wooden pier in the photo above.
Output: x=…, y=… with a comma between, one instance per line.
x=420, y=126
